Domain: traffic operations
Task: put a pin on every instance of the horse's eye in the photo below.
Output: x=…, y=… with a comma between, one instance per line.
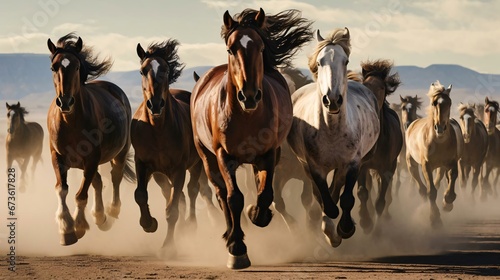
x=229, y=52
x=346, y=62
x=318, y=64
x=434, y=103
x=142, y=73
x=53, y=68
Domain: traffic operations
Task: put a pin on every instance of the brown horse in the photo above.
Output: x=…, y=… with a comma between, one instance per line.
x=435, y=141
x=407, y=111
x=492, y=159
x=475, y=145
x=384, y=159
x=89, y=124
x=241, y=113
x=163, y=139
x=24, y=141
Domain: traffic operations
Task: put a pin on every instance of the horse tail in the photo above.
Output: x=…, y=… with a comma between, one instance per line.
x=128, y=170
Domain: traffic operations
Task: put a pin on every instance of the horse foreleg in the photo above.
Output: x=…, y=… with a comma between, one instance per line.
x=148, y=223
x=261, y=215
x=432, y=194
x=384, y=197
x=363, y=194
x=486, y=186
x=413, y=169
x=172, y=210
x=24, y=167
x=476, y=172
x=346, y=227
x=100, y=218
x=193, y=188
x=449, y=194
x=313, y=211
x=81, y=224
x=63, y=217
x=279, y=182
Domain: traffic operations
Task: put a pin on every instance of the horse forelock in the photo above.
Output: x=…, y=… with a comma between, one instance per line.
x=334, y=38
x=167, y=51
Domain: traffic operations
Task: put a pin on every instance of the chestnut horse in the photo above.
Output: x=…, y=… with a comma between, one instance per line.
x=89, y=124
x=24, y=141
x=335, y=126
x=492, y=160
x=383, y=163
x=435, y=142
x=475, y=145
x=241, y=113
x=162, y=138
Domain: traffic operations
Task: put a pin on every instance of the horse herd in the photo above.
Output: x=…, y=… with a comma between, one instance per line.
x=248, y=112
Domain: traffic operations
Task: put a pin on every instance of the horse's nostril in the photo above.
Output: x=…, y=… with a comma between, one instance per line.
x=149, y=104
x=241, y=96
x=71, y=101
x=59, y=102
x=258, y=95
x=326, y=100
x=340, y=100
x=162, y=103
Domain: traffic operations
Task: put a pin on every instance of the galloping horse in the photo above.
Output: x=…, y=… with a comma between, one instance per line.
x=492, y=160
x=89, y=124
x=162, y=138
x=335, y=126
x=376, y=77
x=408, y=113
x=24, y=141
x=241, y=113
x=475, y=145
x=435, y=141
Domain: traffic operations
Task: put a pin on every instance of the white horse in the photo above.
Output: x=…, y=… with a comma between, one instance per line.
x=335, y=126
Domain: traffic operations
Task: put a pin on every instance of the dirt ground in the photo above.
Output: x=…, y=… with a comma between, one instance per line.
x=403, y=247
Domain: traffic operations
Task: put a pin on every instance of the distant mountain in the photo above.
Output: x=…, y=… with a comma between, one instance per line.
x=27, y=76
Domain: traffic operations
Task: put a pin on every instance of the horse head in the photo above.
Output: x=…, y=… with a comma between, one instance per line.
x=440, y=106
x=409, y=106
x=14, y=116
x=245, y=49
x=66, y=73
x=329, y=65
x=467, y=120
x=491, y=108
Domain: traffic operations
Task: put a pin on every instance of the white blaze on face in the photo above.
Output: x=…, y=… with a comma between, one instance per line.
x=65, y=62
x=408, y=107
x=244, y=41
x=440, y=100
x=492, y=109
x=154, y=67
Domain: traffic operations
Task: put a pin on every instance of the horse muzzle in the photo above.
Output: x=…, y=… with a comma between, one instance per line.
x=333, y=106
x=155, y=108
x=65, y=103
x=466, y=138
x=248, y=102
x=440, y=129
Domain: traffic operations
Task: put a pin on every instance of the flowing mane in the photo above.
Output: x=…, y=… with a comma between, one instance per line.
x=283, y=34
x=334, y=38
x=297, y=76
x=381, y=68
x=91, y=66
x=354, y=76
x=167, y=50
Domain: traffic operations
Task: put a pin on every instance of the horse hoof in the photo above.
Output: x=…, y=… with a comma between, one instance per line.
x=259, y=217
x=447, y=207
x=68, y=239
x=113, y=211
x=80, y=233
x=238, y=262
x=366, y=225
x=346, y=234
x=153, y=227
x=107, y=224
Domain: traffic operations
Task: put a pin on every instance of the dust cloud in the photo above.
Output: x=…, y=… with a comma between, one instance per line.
x=407, y=232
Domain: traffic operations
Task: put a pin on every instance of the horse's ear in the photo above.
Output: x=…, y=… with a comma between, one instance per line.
x=401, y=98
x=78, y=45
x=486, y=100
x=318, y=36
x=51, y=46
x=18, y=104
x=260, y=18
x=140, y=51
x=195, y=76
x=7, y=106
x=448, y=90
x=228, y=20
x=346, y=33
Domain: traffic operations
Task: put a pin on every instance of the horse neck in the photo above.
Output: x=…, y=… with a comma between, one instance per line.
x=20, y=131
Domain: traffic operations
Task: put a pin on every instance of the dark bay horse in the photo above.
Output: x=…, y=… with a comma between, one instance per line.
x=335, y=127
x=24, y=141
x=435, y=142
x=475, y=145
x=162, y=138
x=384, y=159
x=492, y=159
x=241, y=113
x=89, y=124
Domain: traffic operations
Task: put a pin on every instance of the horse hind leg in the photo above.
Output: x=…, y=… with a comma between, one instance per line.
x=172, y=213
x=450, y=195
x=103, y=222
x=278, y=184
x=193, y=188
x=413, y=169
x=365, y=219
x=206, y=194
x=120, y=167
x=24, y=167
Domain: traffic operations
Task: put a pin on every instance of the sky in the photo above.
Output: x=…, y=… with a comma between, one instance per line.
x=420, y=32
